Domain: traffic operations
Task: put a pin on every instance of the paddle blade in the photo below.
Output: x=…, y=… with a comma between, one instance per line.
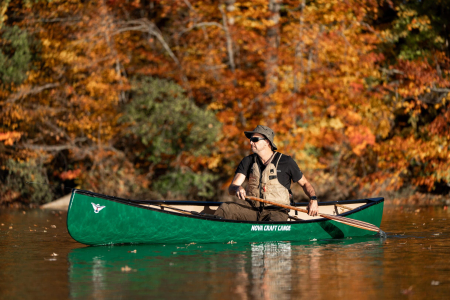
x=352, y=222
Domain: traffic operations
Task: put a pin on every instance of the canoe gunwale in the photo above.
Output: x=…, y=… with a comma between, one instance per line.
x=138, y=203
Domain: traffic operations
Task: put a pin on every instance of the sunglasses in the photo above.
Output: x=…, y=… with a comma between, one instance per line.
x=256, y=139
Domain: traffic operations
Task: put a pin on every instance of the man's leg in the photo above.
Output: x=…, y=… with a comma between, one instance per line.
x=234, y=211
x=273, y=215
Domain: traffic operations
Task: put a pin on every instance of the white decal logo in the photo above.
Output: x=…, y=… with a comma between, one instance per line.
x=97, y=207
x=271, y=228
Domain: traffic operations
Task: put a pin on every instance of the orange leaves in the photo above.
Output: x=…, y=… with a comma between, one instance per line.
x=70, y=175
x=359, y=137
x=8, y=138
x=441, y=125
x=316, y=74
x=352, y=117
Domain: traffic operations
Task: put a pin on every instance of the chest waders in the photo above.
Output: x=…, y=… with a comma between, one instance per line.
x=266, y=185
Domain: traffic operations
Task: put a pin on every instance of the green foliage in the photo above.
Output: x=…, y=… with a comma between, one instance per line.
x=15, y=186
x=15, y=55
x=167, y=122
x=181, y=182
x=417, y=29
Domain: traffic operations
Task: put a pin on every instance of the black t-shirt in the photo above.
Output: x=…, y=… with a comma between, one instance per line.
x=287, y=169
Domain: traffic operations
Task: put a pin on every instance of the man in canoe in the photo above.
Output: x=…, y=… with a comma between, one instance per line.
x=270, y=174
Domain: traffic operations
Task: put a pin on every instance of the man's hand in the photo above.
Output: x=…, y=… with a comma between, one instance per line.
x=235, y=188
x=240, y=193
x=313, y=208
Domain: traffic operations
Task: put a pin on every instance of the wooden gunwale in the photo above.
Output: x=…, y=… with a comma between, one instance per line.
x=138, y=203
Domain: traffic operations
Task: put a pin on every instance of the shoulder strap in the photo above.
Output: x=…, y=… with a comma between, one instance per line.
x=279, y=157
x=255, y=161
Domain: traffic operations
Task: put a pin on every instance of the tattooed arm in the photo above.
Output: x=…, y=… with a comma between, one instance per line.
x=235, y=188
x=313, y=207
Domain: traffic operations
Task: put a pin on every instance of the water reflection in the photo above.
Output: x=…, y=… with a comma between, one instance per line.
x=246, y=271
x=270, y=263
x=98, y=276
x=412, y=262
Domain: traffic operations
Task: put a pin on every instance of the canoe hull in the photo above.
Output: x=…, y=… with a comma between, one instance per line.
x=123, y=223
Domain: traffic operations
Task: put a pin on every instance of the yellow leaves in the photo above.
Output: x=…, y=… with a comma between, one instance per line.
x=430, y=160
x=98, y=87
x=421, y=23
x=298, y=131
x=67, y=56
x=305, y=160
x=352, y=117
x=405, y=12
x=214, y=161
x=328, y=88
x=215, y=105
x=3, y=8
x=439, y=40
x=336, y=123
x=254, y=24
x=46, y=42
x=384, y=128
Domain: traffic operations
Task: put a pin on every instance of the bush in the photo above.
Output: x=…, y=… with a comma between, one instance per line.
x=25, y=181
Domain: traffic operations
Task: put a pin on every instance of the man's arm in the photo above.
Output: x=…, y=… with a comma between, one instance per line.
x=235, y=188
x=313, y=207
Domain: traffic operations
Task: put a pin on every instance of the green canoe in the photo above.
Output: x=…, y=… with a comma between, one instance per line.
x=96, y=219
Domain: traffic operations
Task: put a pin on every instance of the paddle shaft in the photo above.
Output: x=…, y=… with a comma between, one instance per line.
x=343, y=220
x=194, y=213
x=276, y=204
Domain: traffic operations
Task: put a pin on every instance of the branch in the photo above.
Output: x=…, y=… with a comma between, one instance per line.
x=202, y=24
x=438, y=90
x=57, y=129
x=56, y=20
x=55, y=148
x=435, y=96
x=391, y=72
x=145, y=25
x=229, y=40
x=25, y=91
x=88, y=152
x=299, y=54
x=188, y=4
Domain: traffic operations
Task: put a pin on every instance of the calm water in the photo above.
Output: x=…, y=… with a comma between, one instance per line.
x=41, y=261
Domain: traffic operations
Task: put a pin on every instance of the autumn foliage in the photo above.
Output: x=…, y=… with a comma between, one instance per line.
x=149, y=99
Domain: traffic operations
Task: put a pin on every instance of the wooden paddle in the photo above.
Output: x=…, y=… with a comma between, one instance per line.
x=347, y=221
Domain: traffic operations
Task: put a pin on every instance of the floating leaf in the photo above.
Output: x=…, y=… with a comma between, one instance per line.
x=127, y=269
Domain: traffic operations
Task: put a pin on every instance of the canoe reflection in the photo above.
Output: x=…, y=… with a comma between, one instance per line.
x=271, y=269
x=259, y=270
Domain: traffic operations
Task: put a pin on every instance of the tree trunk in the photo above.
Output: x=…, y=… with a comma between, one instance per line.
x=272, y=41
